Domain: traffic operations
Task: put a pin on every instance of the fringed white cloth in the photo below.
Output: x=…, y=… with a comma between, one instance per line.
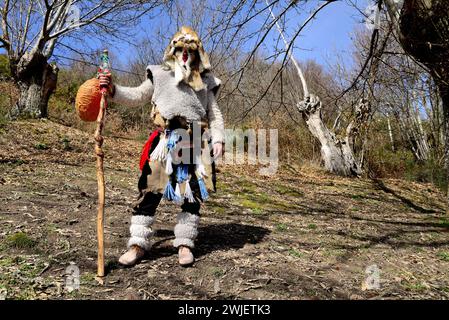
x=188, y=194
x=168, y=165
x=178, y=196
x=160, y=152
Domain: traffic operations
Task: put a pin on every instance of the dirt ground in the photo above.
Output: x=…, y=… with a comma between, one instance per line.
x=302, y=234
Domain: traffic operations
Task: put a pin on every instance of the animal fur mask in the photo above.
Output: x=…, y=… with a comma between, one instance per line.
x=185, y=56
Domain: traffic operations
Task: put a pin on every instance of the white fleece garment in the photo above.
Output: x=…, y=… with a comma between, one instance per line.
x=132, y=97
x=174, y=99
x=186, y=230
x=216, y=123
x=141, y=232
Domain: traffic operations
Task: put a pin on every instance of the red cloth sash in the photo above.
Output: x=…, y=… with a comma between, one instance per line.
x=146, y=149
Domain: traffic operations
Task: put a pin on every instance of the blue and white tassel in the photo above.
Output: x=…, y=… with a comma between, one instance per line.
x=171, y=141
x=169, y=164
x=200, y=169
x=182, y=173
x=188, y=194
x=178, y=198
x=203, y=189
x=169, y=193
x=200, y=174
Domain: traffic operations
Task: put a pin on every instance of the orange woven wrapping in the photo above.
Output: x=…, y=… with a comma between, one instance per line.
x=88, y=99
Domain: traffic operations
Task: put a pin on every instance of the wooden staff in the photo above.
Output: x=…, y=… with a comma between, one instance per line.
x=104, y=68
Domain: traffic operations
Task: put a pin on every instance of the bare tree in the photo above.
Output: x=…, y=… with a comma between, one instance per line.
x=31, y=30
x=337, y=153
x=337, y=150
x=422, y=27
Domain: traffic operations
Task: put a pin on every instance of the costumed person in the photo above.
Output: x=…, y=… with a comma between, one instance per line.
x=183, y=93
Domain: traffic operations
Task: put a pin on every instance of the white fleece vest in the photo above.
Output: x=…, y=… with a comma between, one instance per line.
x=179, y=99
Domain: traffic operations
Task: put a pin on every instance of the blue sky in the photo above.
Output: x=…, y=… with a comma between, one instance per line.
x=329, y=35
x=326, y=37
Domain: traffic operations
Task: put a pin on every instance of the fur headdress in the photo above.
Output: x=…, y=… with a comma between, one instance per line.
x=187, y=38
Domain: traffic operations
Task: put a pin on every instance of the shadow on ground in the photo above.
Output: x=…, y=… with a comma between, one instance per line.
x=211, y=238
x=379, y=184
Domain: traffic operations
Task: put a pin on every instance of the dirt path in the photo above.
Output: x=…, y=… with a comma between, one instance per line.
x=300, y=235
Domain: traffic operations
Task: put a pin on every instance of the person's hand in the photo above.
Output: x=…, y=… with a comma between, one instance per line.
x=106, y=81
x=217, y=149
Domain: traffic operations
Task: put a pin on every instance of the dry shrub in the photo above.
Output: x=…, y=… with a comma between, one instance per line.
x=296, y=144
x=9, y=95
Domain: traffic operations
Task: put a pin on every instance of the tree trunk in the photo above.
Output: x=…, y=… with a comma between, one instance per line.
x=390, y=133
x=444, y=93
x=36, y=80
x=423, y=29
x=336, y=153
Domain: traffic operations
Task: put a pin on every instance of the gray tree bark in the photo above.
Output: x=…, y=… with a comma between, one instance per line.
x=30, y=31
x=36, y=80
x=423, y=30
x=336, y=153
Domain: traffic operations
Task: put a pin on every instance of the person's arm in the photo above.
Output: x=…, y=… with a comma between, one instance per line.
x=216, y=124
x=133, y=96
x=129, y=96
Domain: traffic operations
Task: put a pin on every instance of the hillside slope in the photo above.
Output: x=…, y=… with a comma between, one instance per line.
x=302, y=234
